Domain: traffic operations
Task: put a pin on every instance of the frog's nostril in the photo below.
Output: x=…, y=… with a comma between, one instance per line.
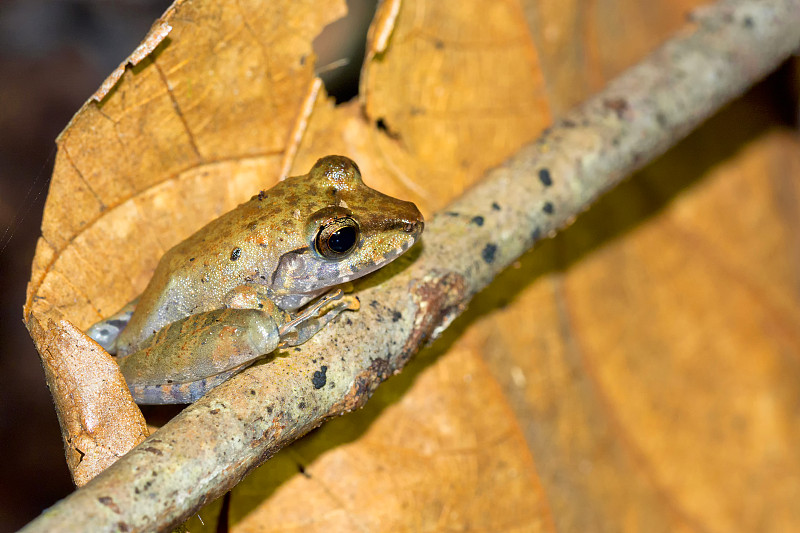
x=414, y=227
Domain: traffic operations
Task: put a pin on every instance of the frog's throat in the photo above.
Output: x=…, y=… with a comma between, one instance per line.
x=300, y=276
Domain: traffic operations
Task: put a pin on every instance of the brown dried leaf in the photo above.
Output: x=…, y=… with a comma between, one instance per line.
x=134, y=171
x=640, y=373
x=99, y=421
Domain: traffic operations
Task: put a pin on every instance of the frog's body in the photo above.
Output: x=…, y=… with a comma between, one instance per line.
x=226, y=295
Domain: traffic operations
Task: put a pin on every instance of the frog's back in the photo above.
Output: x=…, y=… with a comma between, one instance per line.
x=195, y=275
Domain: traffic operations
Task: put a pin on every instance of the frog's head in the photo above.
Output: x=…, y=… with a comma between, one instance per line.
x=352, y=231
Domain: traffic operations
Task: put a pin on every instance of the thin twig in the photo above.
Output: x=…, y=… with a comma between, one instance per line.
x=214, y=443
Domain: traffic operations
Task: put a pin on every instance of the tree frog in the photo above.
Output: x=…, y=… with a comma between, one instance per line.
x=235, y=290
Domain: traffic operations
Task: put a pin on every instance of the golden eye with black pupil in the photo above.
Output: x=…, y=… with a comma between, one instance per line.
x=337, y=238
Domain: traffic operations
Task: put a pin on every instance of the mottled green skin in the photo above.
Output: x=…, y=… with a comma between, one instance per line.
x=260, y=255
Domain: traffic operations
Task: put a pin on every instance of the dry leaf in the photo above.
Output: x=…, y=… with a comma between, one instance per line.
x=640, y=372
x=134, y=170
x=99, y=421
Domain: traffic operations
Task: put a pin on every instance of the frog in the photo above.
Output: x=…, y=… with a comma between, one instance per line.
x=264, y=276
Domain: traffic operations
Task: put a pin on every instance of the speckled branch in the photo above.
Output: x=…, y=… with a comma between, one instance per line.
x=214, y=443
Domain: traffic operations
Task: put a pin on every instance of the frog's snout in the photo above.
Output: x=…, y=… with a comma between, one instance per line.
x=410, y=222
x=411, y=218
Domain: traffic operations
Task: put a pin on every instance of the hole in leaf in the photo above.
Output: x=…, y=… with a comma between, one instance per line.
x=340, y=50
x=384, y=127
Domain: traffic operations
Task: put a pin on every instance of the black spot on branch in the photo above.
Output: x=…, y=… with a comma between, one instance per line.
x=617, y=105
x=108, y=501
x=320, y=377
x=488, y=253
x=544, y=177
x=153, y=450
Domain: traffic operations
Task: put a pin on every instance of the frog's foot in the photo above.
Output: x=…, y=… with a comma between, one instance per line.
x=106, y=331
x=315, y=317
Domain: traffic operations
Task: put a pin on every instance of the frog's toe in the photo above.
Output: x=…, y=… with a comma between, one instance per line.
x=105, y=334
x=352, y=302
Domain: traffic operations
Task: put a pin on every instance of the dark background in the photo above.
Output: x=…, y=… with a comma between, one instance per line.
x=53, y=55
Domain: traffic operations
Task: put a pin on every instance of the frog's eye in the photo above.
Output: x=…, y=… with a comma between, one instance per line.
x=337, y=238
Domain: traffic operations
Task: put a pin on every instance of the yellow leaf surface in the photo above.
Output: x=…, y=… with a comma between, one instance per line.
x=636, y=373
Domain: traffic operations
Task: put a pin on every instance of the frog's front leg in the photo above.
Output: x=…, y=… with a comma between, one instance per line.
x=308, y=322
